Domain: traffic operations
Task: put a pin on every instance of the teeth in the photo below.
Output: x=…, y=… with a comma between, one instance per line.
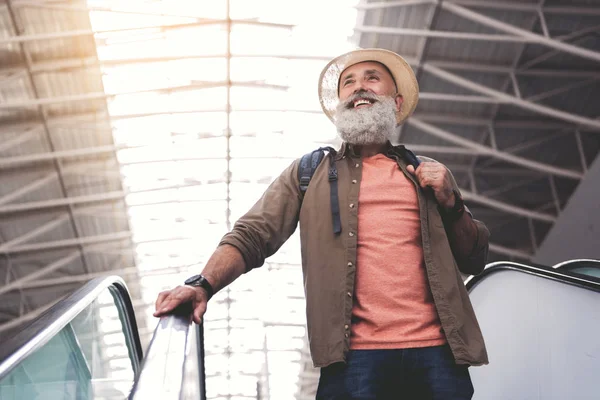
x=360, y=102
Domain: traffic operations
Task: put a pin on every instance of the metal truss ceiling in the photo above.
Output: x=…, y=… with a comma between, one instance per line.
x=103, y=172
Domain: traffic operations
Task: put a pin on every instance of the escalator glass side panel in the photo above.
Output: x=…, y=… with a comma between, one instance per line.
x=95, y=355
x=541, y=331
x=56, y=371
x=589, y=271
x=586, y=267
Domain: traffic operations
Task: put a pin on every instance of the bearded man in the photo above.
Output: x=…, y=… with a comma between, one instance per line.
x=388, y=316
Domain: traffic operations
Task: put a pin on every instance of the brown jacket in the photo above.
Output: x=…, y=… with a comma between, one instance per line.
x=328, y=260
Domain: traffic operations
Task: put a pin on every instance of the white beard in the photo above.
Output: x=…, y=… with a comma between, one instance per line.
x=368, y=125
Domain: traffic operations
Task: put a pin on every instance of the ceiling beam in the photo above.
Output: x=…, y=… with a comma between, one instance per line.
x=490, y=132
x=122, y=272
x=49, y=226
x=525, y=34
x=10, y=162
x=29, y=103
x=67, y=243
x=506, y=251
x=485, y=150
x=27, y=188
x=17, y=140
x=506, y=70
x=443, y=34
x=507, y=208
x=531, y=7
x=92, y=120
x=162, y=28
x=41, y=272
x=62, y=202
x=456, y=119
x=592, y=124
x=37, y=231
x=504, y=5
x=559, y=90
x=93, y=62
x=30, y=316
x=391, y=4
x=47, y=5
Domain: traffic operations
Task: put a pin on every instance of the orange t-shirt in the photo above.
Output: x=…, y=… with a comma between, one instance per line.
x=393, y=306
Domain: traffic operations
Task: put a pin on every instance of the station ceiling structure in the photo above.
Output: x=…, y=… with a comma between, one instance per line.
x=133, y=134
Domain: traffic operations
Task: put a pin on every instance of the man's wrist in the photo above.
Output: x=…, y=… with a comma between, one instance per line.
x=455, y=212
x=200, y=281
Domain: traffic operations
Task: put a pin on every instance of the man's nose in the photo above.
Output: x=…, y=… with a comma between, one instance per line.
x=361, y=88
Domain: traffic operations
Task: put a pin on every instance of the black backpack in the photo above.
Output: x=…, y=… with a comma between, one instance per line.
x=309, y=163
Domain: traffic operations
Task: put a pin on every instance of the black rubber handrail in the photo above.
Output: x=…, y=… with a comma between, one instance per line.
x=36, y=334
x=578, y=263
x=174, y=364
x=564, y=276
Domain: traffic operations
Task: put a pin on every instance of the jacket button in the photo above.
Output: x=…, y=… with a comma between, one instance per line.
x=350, y=263
x=350, y=233
x=349, y=294
x=345, y=334
x=346, y=327
x=357, y=165
x=354, y=181
x=351, y=205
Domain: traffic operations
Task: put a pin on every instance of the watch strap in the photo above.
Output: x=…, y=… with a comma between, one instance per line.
x=201, y=281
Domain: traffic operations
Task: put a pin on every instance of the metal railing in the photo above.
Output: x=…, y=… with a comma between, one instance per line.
x=174, y=364
x=562, y=275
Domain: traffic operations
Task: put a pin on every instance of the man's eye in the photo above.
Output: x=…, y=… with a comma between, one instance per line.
x=373, y=77
x=348, y=82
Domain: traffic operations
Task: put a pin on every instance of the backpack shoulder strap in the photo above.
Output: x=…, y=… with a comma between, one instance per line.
x=410, y=157
x=308, y=165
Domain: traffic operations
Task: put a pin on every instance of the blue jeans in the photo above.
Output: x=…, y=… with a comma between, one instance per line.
x=428, y=373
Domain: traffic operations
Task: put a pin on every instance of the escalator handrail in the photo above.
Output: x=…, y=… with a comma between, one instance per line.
x=566, y=265
x=36, y=334
x=563, y=275
x=166, y=357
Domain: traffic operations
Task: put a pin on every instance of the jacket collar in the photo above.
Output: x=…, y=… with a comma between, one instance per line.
x=349, y=150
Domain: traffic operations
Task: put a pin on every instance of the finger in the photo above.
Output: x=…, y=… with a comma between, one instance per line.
x=435, y=169
x=421, y=176
x=176, y=297
x=410, y=169
x=160, y=306
x=161, y=297
x=429, y=167
x=199, y=310
x=168, y=306
x=425, y=182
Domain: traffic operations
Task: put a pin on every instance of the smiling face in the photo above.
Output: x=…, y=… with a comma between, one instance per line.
x=368, y=102
x=367, y=77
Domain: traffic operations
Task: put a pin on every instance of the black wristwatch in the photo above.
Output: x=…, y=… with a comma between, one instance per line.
x=200, y=281
x=453, y=214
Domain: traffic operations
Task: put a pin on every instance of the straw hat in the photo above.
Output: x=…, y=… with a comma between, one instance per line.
x=403, y=75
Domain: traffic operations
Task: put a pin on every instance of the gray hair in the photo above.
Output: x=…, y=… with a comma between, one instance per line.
x=370, y=125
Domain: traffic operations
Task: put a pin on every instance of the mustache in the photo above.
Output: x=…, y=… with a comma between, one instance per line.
x=361, y=94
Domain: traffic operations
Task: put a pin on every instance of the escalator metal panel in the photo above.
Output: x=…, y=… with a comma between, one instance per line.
x=542, y=331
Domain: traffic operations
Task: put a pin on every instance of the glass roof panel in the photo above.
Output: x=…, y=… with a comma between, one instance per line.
x=205, y=116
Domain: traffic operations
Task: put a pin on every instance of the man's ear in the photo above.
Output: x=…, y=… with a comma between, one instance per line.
x=399, y=100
